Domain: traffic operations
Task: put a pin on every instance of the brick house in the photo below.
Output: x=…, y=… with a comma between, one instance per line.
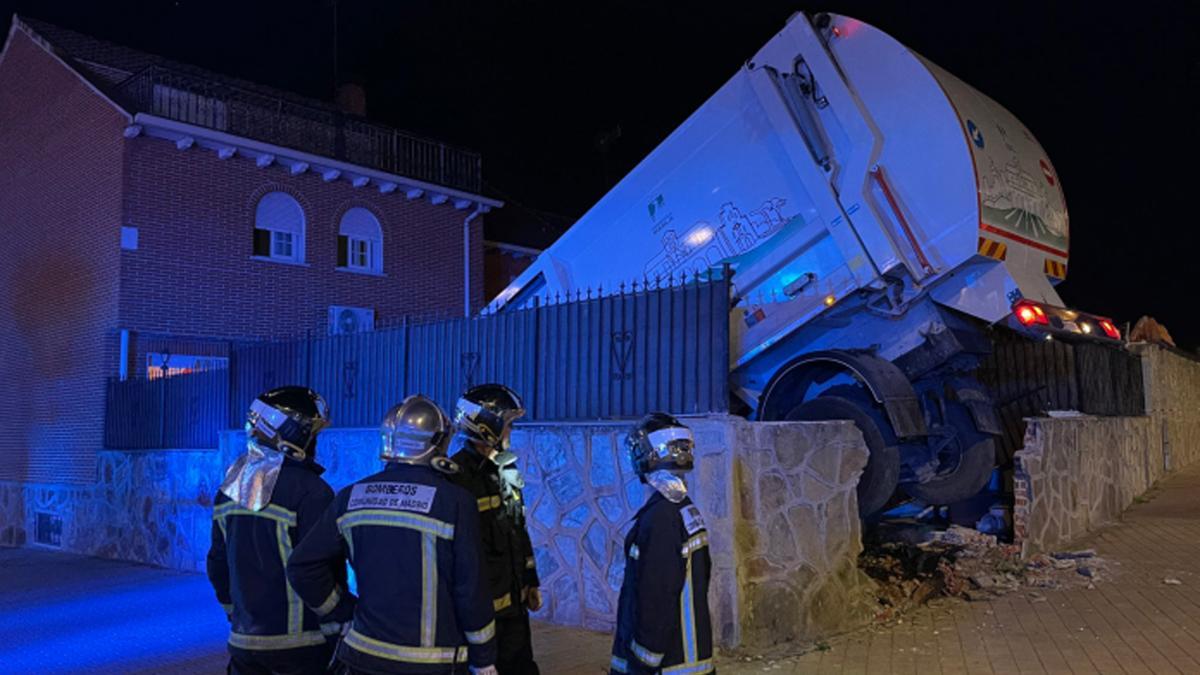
x=152, y=212
x=513, y=238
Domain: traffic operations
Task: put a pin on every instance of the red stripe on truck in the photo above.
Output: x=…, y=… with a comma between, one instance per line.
x=1022, y=240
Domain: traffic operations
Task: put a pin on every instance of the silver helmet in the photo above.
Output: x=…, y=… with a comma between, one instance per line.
x=660, y=442
x=415, y=431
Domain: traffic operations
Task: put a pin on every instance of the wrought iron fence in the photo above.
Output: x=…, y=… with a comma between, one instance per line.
x=223, y=106
x=185, y=411
x=1028, y=378
x=587, y=356
x=664, y=346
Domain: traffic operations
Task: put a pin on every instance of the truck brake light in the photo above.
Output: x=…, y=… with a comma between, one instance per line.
x=1110, y=330
x=1029, y=314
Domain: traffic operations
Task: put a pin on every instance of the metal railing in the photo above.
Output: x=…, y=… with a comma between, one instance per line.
x=586, y=357
x=225, y=107
x=181, y=412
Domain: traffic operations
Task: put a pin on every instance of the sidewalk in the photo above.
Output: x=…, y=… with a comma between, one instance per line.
x=1131, y=623
x=62, y=613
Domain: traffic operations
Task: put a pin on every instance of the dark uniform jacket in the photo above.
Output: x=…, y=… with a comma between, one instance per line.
x=506, y=545
x=663, y=623
x=249, y=554
x=413, y=540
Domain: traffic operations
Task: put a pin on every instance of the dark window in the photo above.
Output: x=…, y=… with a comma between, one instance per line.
x=262, y=242
x=343, y=250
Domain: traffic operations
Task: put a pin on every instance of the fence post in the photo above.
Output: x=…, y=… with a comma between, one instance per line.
x=404, y=348
x=232, y=392
x=162, y=411
x=308, y=358
x=537, y=355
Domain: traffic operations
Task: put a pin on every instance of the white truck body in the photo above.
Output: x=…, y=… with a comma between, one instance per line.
x=849, y=212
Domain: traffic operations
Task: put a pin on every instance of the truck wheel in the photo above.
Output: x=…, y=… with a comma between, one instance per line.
x=879, y=478
x=963, y=481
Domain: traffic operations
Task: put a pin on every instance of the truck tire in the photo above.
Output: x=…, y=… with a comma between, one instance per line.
x=964, y=481
x=879, y=478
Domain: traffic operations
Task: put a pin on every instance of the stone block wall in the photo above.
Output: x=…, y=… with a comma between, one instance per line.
x=797, y=534
x=1173, y=401
x=1078, y=473
x=778, y=498
x=581, y=496
x=155, y=507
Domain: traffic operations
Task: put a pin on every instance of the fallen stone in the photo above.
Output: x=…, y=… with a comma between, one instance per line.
x=1170, y=581
x=1074, y=555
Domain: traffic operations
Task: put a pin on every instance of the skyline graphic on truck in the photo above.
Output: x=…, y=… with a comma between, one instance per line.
x=1015, y=199
x=704, y=244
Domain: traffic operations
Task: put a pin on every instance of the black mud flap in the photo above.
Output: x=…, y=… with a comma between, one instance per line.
x=887, y=384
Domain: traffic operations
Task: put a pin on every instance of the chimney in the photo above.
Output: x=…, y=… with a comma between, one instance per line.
x=352, y=99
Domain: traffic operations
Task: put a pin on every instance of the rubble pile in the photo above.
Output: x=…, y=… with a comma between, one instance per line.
x=965, y=563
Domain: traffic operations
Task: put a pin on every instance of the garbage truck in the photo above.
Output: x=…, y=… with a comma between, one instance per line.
x=880, y=217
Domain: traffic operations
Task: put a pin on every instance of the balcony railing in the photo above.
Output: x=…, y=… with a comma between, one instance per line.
x=220, y=106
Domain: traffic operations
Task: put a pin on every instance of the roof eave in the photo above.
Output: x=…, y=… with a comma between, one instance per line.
x=331, y=169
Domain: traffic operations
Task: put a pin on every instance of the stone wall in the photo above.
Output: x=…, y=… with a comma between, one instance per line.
x=779, y=500
x=797, y=535
x=1075, y=474
x=1173, y=401
x=155, y=507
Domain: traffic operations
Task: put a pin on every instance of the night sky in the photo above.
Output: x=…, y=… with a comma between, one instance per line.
x=1109, y=91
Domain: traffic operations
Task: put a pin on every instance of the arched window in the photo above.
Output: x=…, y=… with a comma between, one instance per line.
x=279, y=228
x=360, y=241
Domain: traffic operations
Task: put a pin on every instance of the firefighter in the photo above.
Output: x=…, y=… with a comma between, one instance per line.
x=663, y=623
x=271, y=497
x=412, y=538
x=483, y=417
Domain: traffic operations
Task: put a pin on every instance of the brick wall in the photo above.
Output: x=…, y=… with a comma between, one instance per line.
x=60, y=144
x=501, y=268
x=192, y=273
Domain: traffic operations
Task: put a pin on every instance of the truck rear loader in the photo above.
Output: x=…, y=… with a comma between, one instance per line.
x=879, y=215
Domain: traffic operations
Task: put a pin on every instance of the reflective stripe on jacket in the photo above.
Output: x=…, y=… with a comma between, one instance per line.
x=247, y=561
x=511, y=568
x=663, y=623
x=412, y=538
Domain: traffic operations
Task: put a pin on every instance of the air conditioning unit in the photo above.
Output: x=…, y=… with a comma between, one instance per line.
x=347, y=320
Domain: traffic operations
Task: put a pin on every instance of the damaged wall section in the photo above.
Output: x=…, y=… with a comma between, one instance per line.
x=1078, y=473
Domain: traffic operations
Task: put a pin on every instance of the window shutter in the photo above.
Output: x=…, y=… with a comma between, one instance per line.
x=262, y=242
x=343, y=259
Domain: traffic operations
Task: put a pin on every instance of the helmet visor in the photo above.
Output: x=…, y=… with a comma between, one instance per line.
x=407, y=445
x=673, y=446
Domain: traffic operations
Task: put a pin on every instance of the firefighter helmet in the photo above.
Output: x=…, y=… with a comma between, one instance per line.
x=287, y=420
x=415, y=431
x=485, y=411
x=660, y=442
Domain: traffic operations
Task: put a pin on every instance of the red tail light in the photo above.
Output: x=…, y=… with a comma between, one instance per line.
x=1029, y=314
x=1109, y=329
